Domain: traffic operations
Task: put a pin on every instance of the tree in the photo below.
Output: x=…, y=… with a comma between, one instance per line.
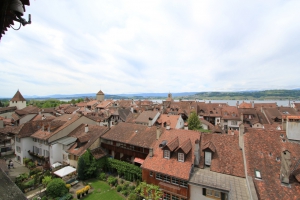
x=149, y=191
x=87, y=166
x=194, y=122
x=57, y=188
x=46, y=180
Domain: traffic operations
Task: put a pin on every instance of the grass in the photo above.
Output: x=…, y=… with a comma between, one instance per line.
x=102, y=191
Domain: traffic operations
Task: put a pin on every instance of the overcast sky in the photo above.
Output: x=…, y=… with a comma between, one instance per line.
x=78, y=46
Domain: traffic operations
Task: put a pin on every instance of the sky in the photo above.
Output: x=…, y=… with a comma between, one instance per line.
x=75, y=47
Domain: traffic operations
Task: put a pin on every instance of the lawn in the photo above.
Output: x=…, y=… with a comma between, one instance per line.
x=102, y=191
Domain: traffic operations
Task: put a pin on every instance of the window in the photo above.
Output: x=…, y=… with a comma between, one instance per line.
x=167, y=196
x=151, y=173
x=180, y=157
x=34, y=139
x=183, y=183
x=175, y=181
x=18, y=149
x=225, y=120
x=257, y=174
x=18, y=139
x=167, y=154
x=233, y=122
x=214, y=194
x=167, y=179
x=158, y=176
x=175, y=197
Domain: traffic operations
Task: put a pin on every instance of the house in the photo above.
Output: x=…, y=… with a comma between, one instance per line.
x=274, y=115
x=129, y=142
x=7, y=140
x=272, y=162
x=211, y=112
x=17, y=101
x=87, y=137
x=104, y=105
x=171, y=121
x=7, y=111
x=147, y=118
x=171, y=161
x=92, y=104
x=230, y=119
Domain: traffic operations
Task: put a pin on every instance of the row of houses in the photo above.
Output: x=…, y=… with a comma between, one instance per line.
x=255, y=158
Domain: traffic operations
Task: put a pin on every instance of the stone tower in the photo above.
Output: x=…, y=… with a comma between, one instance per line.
x=100, y=96
x=18, y=101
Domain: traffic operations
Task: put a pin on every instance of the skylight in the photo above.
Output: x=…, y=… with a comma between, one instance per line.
x=257, y=174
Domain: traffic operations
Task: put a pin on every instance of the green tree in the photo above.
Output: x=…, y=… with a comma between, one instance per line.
x=194, y=122
x=46, y=180
x=56, y=188
x=87, y=166
x=148, y=191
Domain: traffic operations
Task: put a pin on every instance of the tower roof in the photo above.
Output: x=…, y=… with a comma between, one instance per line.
x=18, y=97
x=100, y=92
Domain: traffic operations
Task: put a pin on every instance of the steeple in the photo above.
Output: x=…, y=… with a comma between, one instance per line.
x=18, y=100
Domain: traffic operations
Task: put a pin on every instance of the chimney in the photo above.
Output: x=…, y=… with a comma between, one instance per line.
x=242, y=117
x=196, y=153
x=86, y=128
x=252, y=104
x=285, y=170
x=131, y=109
x=168, y=126
x=158, y=133
x=151, y=152
x=150, y=122
x=186, y=127
x=49, y=127
x=237, y=104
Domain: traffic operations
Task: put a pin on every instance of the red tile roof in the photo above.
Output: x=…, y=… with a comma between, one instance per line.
x=134, y=134
x=227, y=158
x=171, y=166
x=85, y=139
x=172, y=119
x=100, y=93
x=18, y=97
x=262, y=147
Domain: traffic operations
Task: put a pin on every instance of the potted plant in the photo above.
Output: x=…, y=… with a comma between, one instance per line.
x=78, y=193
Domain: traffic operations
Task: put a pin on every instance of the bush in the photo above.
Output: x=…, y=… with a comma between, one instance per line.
x=44, y=198
x=56, y=188
x=132, y=196
x=112, y=181
x=68, y=196
x=122, y=181
x=125, y=192
x=131, y=188
x=34, y=171
x=26, y=160
x=119, y=188
x=102, y=176
x=29, y=183
x=126, y=184
x=30, y=165
x=68, y=186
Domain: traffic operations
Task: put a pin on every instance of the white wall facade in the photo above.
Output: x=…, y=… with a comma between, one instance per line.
x=18, y=104
x=196, y=193
x=180, y=123
x=25, y=144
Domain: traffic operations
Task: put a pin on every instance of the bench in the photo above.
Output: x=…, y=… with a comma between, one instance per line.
x=74, y=183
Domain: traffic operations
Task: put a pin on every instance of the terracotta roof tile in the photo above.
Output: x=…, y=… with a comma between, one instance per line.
x=186, y=146
x=144, y=116
x=172, y=166
x=173, y=144
x=172, y=119
x=227, y=158
x=262, y=147
x=18, y=97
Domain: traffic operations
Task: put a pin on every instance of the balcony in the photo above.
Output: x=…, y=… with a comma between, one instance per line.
x=125, y=151
x=38, y=156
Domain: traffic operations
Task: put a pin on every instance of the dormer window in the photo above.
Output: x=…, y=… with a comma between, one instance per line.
x=180, y=157
x=167, y=154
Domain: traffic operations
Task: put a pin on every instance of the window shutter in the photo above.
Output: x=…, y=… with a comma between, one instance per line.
x=204, y=191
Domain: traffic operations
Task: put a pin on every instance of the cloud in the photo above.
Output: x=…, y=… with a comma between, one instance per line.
x=158, y=46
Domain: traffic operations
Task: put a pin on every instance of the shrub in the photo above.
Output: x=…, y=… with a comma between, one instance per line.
x=132, y=187
x=26, y=161
x=56, y=188
x=125, y=192
x=112, y=181
x=68, y=196
x=122, y=181
x=34, y=171
x=44, y=198
x=68, y=186
x=126, y=184
x=29, y=183
x=132, y=196
x=102, y=176
x=119, y=188
x=30, y=165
